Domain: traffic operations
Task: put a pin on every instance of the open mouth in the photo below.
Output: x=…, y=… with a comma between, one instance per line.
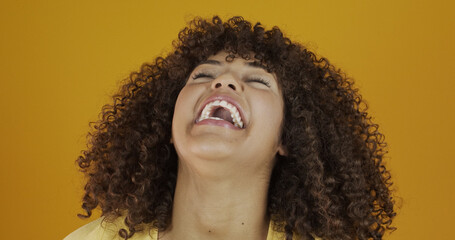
x=221, y=110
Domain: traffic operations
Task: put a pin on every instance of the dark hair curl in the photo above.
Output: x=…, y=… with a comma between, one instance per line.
x=332, y=184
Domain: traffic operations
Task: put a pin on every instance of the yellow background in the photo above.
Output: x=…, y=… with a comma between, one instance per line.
x=62, y=60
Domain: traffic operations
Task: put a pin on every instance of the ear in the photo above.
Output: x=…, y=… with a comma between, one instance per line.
x=171, y=141
x=282, y=150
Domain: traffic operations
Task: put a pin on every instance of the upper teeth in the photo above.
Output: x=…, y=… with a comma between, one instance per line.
x=232, y=109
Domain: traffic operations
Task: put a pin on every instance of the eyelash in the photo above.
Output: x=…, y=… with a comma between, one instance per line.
x=202, y=75
x=254, y=79
x=259, y=80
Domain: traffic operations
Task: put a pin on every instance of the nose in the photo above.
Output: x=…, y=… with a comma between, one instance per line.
x=226, y=81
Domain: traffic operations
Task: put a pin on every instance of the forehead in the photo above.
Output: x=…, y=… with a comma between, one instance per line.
x=229, y=57
x=223, y=58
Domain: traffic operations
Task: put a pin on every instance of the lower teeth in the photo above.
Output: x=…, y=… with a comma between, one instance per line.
x=220, y=119
x=215, y=118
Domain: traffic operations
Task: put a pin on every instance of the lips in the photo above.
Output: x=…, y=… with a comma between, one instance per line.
x=209, y=112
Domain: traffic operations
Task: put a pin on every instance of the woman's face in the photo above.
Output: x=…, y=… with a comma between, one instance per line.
x=228, y=117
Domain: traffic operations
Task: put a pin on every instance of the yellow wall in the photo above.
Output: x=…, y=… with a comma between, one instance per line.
x=61, y=60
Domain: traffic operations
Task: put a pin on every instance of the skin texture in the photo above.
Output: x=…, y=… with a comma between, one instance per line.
x=224, y=173
x=327, y=179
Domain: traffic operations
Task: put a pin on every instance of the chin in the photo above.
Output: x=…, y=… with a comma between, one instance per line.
x=211, y=148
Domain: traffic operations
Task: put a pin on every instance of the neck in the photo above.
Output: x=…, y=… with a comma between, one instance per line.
x=229, y=208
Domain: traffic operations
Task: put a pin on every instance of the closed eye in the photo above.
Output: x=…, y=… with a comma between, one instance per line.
x=202, y=75
x=251, y=79
x=259, y=80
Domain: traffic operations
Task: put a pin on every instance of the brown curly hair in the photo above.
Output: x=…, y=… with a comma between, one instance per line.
x=332, y=183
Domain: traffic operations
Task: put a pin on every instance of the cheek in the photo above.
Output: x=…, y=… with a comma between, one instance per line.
x=269, y=111
x=179, y=109
x=183, y=100
x=185, y=105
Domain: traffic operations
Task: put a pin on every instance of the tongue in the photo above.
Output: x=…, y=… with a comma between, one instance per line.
x=223, y=114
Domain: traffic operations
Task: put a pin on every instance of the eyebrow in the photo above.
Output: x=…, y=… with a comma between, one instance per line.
x=255, y=64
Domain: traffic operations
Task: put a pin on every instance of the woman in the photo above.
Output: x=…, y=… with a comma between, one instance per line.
x=238, y=134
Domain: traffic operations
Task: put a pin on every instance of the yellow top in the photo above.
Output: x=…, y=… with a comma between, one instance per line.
x=98, y=230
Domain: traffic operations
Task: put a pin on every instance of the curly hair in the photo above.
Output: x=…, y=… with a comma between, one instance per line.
x=332, y=184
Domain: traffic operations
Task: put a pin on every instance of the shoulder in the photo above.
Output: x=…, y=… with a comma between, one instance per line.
x=100, y=229
x=275, y=233
x=92, y=230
